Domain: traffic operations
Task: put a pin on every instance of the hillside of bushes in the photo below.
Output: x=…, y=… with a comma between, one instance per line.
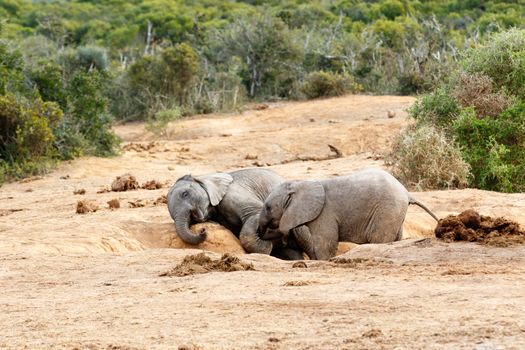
x=71, y=68
x=471, y=129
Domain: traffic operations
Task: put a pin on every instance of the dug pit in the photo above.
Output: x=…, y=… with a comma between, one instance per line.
x=472, y=227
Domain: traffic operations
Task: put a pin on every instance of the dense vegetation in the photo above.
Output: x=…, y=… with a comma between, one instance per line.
x=68, y=68
x=480, y=115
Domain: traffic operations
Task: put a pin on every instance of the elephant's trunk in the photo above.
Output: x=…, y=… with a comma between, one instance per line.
x=182, y=225
x=250, y=240
x=253, y=244
x=263, y=223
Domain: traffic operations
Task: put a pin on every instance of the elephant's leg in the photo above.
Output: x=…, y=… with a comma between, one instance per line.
x=303, y=237
x=250, y=241
x=325, y=238
x=400, y=234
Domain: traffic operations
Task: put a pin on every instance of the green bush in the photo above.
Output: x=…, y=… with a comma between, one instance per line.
x=502, y=58
x=158, y=123
x=437, y=108
x=425, y=158
x=325, y=84
x=483, y=108
x=495, y=148
x=26, y=137
x=88, y=112
x=155, y=83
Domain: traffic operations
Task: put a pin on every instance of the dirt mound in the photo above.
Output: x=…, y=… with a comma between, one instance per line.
x=161, y=200
x=472, y=227
x=124, y=182
x=152, y=185
x=114, y=203
x=139, y=203
x=200, y=263
x=86, y=206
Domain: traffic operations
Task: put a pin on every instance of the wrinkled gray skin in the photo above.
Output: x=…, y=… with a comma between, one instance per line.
x=232, y=199
x=368, y=206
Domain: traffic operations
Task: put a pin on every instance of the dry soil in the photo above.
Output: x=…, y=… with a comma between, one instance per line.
x=101, y=280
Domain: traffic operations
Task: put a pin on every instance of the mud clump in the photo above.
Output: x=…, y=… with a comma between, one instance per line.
x=80, y=191
x=104, y=190
x=471, y=227
x=200, y=263
x=126, y=182
x=152, y=185
x=161, y=200
x=136, y=204
x=114, y=203
x=139, y=147
x=86, y=206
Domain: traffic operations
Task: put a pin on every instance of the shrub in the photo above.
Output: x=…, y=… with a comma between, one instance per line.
x=475, y=90
x=11, y=69
x=502, y=59
x=47, y=78
x=88, y=113
x=325, y=84
x=221, y=91
x=495, y=148
x=26, y=138
x=436, y=108
x=160, y=121
x=424, y=158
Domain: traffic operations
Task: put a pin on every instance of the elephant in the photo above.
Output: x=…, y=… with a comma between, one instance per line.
x=234, y=200
x=368, y=206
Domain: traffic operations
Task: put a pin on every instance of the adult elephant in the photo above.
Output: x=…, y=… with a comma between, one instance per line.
x=232, y=199
x=368, y=206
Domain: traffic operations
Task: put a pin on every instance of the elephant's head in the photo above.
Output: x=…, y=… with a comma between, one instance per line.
x=190, y=200
x=291, y=204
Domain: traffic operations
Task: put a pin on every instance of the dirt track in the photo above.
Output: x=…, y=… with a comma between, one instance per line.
x=92, y=281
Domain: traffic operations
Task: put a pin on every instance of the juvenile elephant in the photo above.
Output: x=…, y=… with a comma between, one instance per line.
x=368, y=206
x=232, y=199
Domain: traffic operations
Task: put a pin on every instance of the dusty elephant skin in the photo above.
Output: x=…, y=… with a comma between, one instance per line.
x=368, y=206
x=232, y=199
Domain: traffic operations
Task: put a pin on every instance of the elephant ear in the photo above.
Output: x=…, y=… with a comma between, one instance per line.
x=216, y=185
x=305, y=204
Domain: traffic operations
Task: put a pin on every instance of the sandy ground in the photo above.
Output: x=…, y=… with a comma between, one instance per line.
x=93, y=281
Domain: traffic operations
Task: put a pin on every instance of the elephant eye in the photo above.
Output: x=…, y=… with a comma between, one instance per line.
x=184, y=194
x=268, y=207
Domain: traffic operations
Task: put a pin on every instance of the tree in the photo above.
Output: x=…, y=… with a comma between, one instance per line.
x=264, y=45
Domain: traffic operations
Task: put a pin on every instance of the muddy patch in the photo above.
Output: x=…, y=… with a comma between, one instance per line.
x=126, y=182
x=200, y=263
x=470, y=226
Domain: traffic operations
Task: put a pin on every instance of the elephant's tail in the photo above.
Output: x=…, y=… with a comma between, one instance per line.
x=421, y=205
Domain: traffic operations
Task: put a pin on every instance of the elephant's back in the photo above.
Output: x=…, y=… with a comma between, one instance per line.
x=371, y=183
x=259, y=182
